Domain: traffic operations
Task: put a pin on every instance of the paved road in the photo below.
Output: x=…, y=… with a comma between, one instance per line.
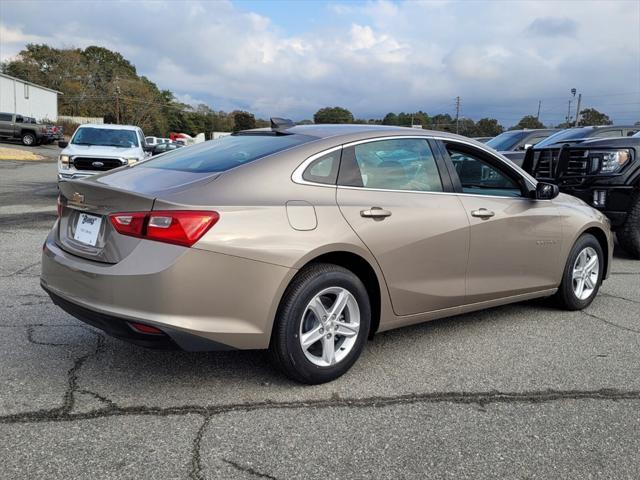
x=522, y=391
x=49, y=152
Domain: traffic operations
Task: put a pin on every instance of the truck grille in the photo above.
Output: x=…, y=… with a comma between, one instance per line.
x=547, y=161
x=578, y=163
x=97, y=164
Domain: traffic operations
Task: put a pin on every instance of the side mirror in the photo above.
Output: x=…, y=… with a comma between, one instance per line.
x=63, y=144
x=546, y=191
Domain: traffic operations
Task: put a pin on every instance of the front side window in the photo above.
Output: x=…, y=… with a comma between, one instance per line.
x=479, y=177
x=6, y=117
x=105, y=137
x=19, y=119
x=397, y=164
x=323, y=169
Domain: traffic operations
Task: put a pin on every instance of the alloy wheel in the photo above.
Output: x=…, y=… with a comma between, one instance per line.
x=585, y=273
x=329, y=327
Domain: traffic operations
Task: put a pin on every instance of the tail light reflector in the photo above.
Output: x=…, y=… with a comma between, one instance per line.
x=179, y=227
x=148, y=329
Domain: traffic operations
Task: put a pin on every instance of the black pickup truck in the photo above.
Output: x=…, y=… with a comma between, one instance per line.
x=604, y=172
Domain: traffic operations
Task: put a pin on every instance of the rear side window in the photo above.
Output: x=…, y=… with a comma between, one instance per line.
x=6, y=117
x=398, y=164
x=323, y=169
x=225, y=153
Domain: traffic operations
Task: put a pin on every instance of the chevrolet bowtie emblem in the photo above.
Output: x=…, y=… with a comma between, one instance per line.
x=77, y=198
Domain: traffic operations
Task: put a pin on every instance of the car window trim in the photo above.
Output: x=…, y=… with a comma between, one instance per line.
x=296, y=176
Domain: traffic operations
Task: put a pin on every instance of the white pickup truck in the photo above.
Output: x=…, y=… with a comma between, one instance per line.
x=98, y=148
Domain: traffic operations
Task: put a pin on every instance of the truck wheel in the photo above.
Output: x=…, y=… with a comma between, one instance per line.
x=28, y=139
x=629, y=234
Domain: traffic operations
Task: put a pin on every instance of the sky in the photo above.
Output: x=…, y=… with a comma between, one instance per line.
x=290, y=58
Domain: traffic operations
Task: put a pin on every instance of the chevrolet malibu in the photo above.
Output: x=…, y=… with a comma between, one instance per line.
x=306, y=240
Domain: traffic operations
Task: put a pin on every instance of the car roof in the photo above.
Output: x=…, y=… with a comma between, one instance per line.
x=335, y=131
x=108, y=126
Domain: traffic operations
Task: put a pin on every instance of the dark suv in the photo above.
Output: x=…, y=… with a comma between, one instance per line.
x=604, y=172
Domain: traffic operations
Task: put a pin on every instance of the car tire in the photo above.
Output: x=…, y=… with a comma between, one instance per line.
x=297, y=322
x=580, y=282
x=28, y=139
x=629, y=234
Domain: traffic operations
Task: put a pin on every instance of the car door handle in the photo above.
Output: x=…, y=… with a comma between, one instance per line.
x=482, y=213
x=375, y=212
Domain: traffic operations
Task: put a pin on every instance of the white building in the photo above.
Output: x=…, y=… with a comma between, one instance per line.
x=28, y=99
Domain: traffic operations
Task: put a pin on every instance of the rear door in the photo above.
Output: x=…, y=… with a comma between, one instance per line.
x=397, y=196
x=515, y=241
x=6, y=124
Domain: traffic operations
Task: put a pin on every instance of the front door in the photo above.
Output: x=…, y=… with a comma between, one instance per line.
x=515, y=241
x=392, y=194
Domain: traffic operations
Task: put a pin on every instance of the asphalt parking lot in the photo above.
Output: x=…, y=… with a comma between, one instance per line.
x=522, y=391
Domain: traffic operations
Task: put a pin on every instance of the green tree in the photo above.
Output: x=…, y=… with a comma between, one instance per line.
x=390, y=119
x=333, y=115
x=528, y=121
x=443, y=122
x=243, y=121
x=591, y=116
x=488, y=127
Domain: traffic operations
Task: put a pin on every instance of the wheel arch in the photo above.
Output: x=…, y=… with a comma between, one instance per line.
x=364, y=268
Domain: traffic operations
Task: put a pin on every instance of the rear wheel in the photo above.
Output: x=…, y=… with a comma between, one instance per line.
x=629, y=234
x=582, y=274
x=28, y=139
x=322, y=324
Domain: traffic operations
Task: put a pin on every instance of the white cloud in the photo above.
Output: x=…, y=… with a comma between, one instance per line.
x=371, y=57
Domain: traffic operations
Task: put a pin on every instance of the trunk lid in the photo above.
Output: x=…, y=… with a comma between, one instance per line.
x=84, y=228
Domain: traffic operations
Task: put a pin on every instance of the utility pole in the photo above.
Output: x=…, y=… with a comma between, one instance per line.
x=539, y=105
x=569, y=112
x=117, y=101
x=458, y=114
x=578, y=110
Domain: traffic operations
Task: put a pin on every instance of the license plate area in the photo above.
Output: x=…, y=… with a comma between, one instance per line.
x=87, y=229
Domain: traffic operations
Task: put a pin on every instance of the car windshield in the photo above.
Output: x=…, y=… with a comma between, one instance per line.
x=225, y=153
x=505, y=141
x=563, y=135
x=106, y=137
x=636, y=135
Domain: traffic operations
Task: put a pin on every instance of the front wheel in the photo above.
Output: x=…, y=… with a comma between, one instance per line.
x=582, y=274
x=629, y=234
x=322, y=324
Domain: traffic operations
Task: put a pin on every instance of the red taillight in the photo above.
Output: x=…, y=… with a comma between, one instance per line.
x=180, y=227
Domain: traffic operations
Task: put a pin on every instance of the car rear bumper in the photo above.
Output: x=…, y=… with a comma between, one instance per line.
x=201, y=300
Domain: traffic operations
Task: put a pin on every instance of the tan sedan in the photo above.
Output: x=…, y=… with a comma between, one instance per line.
x=307, y=240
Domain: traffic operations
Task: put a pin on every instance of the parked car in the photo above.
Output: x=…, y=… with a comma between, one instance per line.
x=605, y=173
x=514, y=143
x=165, y=147
x=308, y=239
x=101, y=147
x=153, y=141
x=19, y=127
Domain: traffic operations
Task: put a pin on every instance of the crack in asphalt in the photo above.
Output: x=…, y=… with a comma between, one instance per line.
x=30, y=331
x=625, y=273
x=64, y=414
x=608, y=322
x=197, y=471
x=247, y=469
x=22, y=270
x=604, y=294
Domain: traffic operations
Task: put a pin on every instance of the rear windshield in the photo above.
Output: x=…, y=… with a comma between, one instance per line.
x=563, y=135
x=225, y=153
x=505, y=141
